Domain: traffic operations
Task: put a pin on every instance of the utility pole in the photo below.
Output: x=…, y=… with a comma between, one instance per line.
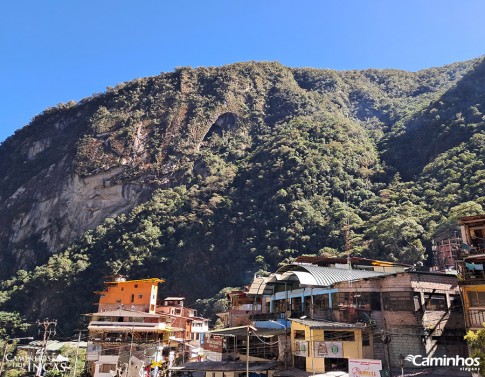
x=48, y=327
x=77, y=353
x=156, y=359
x=131, y=344
x=386, y=339
x=247, y=352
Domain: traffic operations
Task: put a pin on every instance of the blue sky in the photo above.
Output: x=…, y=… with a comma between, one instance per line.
x=54, y=51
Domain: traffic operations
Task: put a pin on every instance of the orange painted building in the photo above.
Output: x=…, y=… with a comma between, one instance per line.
x=138, y=295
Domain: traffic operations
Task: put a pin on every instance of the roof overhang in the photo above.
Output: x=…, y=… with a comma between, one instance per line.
x=238, y=330
x=228, y=366
x=328, y=325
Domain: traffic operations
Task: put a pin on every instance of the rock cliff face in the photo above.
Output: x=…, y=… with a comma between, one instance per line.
x=220, y=173
x=76, y=205
x=77, y=164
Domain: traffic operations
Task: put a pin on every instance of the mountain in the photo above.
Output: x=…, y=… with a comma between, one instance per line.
x=206, y=176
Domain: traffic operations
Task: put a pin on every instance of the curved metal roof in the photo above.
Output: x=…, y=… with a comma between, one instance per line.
x=327, y=276
x=309, y=276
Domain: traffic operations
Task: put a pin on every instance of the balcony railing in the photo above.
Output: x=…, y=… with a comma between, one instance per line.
x=475, y=318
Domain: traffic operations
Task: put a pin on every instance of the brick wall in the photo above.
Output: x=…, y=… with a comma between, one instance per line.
x=415, y=332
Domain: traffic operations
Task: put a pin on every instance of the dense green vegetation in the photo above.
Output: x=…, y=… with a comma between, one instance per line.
x=249, y=166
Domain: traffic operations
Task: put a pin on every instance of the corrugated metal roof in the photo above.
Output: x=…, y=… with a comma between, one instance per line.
x=124, y=313
x=260, y=286
x=309, y=275
x=327, y=276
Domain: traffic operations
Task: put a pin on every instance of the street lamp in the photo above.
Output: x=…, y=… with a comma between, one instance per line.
x=5, y=350
x=401, y=363
x=285, y=351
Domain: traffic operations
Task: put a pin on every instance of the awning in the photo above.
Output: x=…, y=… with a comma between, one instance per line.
x=125, y=313
x=260, y=286
x=127, y=329
x=243, y=331
x=322, y=324
x=239, y=330
x=228, y=366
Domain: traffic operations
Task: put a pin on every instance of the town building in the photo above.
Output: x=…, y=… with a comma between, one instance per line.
x=188, y=327
x=410, y=313
x=318, y=346
x=445, y=251
x=372, y=309
x=242, y=309
x=126, y=334
x=470, y=264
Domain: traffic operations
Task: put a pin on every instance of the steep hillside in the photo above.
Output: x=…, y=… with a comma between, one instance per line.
x=206, y=176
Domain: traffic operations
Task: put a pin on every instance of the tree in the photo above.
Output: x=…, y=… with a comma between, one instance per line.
x=476, y=341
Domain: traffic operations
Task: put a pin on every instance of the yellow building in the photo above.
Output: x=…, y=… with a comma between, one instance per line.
x=474, y=306
x=471, y=266
x=322, y=346
x=472, y=286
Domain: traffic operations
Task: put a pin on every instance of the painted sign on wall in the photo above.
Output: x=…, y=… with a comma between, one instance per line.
x=301, y=348
x=328, y=349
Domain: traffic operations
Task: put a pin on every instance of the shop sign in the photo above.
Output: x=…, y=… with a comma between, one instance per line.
x=365, y=368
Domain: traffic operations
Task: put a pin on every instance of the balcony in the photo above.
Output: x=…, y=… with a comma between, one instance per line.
x=475, y=318
x=471, y=273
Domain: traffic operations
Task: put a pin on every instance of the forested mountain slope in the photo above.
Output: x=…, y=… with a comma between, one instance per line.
x=207, y=176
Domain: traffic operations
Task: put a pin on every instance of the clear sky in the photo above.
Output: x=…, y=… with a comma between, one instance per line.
x=54, y=51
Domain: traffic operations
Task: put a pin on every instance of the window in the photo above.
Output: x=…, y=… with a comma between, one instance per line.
x=346, y=336
x=136, y=285
x=320, y=301
x=109, y=351
x=398, y=301
x=106, y=368
x=435, y=301
x=476, y=298
x=299, y=334
x=132, y=298
x=140, y=296
x=342, y=300
x=375, y=301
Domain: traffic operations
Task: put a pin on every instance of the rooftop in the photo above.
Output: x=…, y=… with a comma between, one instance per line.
x=124, y=313
x=310, y=275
